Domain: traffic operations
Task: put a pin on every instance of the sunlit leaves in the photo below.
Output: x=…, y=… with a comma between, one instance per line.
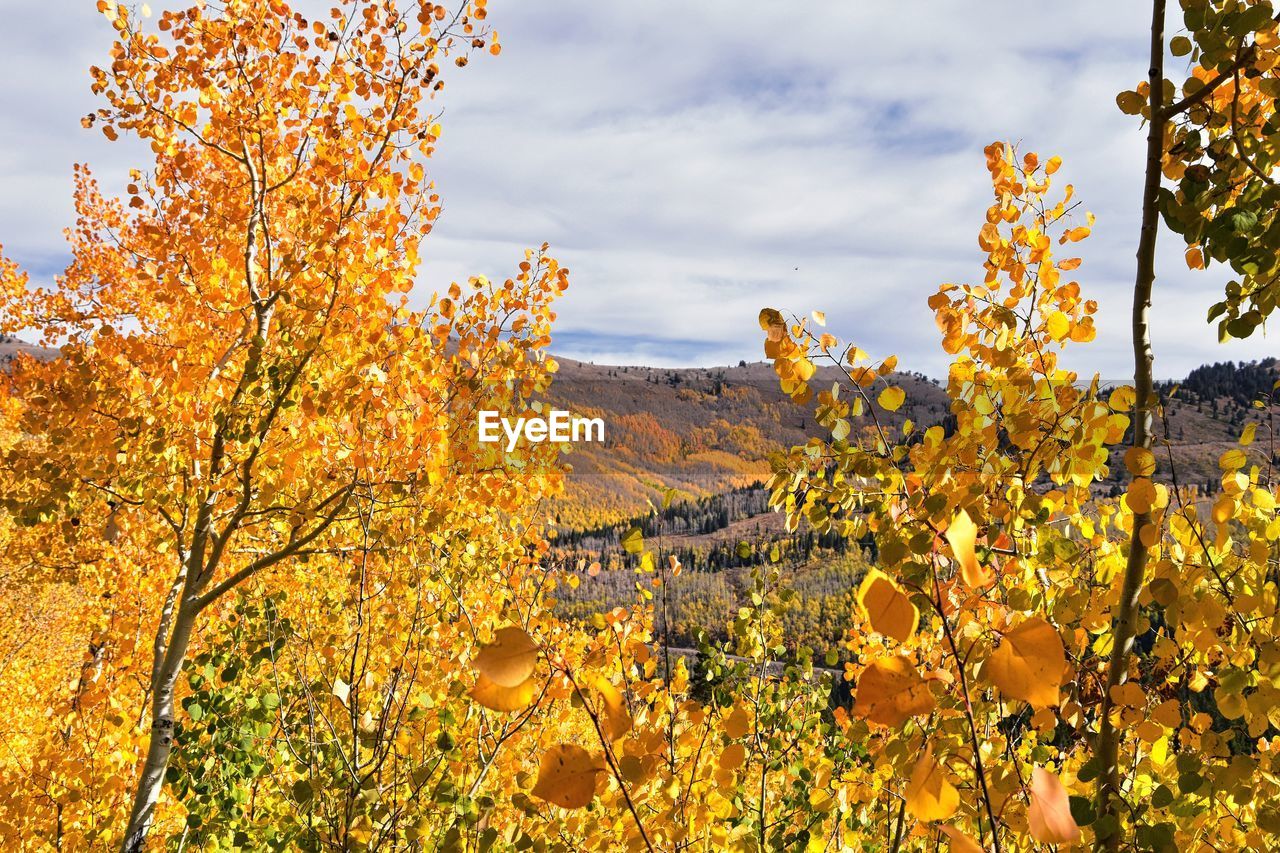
x=962, y=535
x=1029, y=664
x=1049, y=813
x=567, y=776
x=495, y=697
x=891, y=398
x=960, y=843
x=1140, y=462
x=890, y=691
x=929, y=794
x=886, y=607
x=510, y=659
x=616, y=718
x=633, y=541
x=1058, y=325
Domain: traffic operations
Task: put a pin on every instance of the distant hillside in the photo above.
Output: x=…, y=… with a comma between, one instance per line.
x=1240, y=384
x=705, y=431
x=11, y=348
x=701, y=431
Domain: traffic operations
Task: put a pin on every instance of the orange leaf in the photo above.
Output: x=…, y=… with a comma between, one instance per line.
x=1049, y=815
x=887, y=608
x=929, y=795
x=1029, y=664
x=509, y=660
x=495, y=697
x=960, y=843
x=890, y=691
x=567, y=776
x=617, y=720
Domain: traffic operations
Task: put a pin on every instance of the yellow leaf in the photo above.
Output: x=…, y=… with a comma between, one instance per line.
x=770, y=317
x=1250, y=432
x=1233, y=460
x=567, y=776
x=616, y=718
x=633, y=542
x=510, y=659
x=1057, y=325
x=929, y=795
x=1141, y=495
x=737, y=723
x=820, y=318
x=891, y=399
x=961, y=535
x=1140, y=461
x=733, y=756
x=887, y=608
x=1029, y=663
x=495, y=697
x=890, y=691
x=1049, y=814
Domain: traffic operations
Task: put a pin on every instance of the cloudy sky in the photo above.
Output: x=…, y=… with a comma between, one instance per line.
x=694, y=160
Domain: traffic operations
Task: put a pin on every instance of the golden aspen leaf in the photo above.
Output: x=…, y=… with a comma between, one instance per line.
x=1049, y=815
x=633, y=541
x=1233, y=460
x=890, y=690
x=616, y=718
x=733, y=756
x=1249, y=433
x=1141, y=495
x=1195, y=258
x=929, y=796
x=737, y=722
x=1058, y=325
x=567, y=776
x=1140, y=461
x=804, y=370
x=887, y=608
x=510, y=659
x=1122, y=399
x=891, y=398
x=961, y=535
x=771, y=317
x=820, y=318
x=1029, y=664
x=495, y=697
x=961, y=843
x=1052, y=165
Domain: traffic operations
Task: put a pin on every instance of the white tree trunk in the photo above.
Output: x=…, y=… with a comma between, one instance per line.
x=160, y=744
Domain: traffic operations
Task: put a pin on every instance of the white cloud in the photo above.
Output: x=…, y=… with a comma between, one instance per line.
x=691, y=162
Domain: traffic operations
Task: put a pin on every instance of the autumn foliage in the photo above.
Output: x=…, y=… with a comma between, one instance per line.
x=261, y=587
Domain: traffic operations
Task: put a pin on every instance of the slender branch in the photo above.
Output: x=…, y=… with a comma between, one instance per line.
x=1124, y=619
x=1163, y=114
